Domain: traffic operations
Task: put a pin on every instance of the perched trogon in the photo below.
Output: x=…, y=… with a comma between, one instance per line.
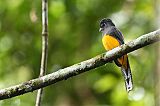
x=111, y=38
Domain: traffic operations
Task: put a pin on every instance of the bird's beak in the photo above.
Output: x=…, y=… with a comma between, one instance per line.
x=100, y=29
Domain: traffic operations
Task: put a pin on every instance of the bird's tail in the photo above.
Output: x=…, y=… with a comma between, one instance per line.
x=127, y=77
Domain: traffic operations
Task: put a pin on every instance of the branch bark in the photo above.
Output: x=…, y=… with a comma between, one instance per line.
x=43, y=67
x=81, y=67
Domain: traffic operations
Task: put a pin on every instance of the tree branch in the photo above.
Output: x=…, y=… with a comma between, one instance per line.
x=43, y=67
x=81, y=67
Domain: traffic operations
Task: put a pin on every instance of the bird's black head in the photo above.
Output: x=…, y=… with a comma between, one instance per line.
x=104, y=23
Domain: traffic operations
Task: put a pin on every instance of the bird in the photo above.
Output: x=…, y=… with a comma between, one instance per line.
x=112, y=38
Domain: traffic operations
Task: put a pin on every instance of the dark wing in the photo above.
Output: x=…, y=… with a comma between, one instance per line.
x=117, y=34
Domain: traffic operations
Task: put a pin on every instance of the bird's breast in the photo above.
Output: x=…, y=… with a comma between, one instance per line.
x=109, y=42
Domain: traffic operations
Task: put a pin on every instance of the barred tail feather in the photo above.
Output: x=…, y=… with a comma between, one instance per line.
x=128, y=78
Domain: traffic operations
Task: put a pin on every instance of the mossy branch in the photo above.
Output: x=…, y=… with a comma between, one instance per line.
x=81, y=67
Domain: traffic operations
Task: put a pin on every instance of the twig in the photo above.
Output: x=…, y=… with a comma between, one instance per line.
x=82, y=67
x=43, y=67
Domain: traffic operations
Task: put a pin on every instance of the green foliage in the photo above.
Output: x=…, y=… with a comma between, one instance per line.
x=74, y=37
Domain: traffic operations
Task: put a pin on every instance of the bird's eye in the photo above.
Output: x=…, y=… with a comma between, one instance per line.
x=103, y=25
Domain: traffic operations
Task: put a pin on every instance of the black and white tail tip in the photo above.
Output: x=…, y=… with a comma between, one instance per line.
x=128, y=79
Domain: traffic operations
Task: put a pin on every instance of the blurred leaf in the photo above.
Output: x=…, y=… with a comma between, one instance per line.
x=106, y=83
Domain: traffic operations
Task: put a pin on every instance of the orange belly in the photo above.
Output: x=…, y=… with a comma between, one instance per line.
x=109, y=43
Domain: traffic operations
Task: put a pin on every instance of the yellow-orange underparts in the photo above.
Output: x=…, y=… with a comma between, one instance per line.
x=109, y=43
